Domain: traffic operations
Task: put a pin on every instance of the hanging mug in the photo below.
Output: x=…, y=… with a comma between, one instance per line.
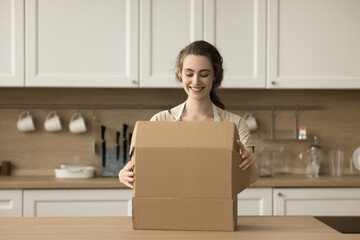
x=25, y=122
x=52, y=122
x=77, y=123
x=251, y=122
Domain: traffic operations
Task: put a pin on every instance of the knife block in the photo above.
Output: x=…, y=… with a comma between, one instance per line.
x=112, y=164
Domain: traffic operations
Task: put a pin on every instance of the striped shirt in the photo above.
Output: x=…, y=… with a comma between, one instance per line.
x=244, y=133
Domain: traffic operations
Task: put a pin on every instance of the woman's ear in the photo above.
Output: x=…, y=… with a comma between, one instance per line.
x=179, y=77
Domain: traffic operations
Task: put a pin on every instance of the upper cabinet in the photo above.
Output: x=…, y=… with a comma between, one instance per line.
x=276, y=44
x=12, y=43
x=238, y=29
x=82, y=43
x=313, y=44
x=166, y=27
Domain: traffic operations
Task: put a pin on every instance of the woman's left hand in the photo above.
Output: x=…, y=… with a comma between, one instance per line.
x=248, y=156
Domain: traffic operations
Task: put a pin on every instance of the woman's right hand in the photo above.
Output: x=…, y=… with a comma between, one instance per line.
x=127, y=175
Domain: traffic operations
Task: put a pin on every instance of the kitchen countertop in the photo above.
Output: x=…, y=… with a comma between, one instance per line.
x=257, y=227
x=50, y=182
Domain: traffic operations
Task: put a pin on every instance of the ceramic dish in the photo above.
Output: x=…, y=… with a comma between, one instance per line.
x=74, y=171
x=356, y=158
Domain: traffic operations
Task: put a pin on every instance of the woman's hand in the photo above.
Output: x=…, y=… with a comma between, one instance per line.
x=127, y=175
x=248, y=156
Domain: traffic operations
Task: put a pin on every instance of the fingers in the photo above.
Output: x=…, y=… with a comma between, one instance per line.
x=129, y=166
x=127, y=176
x=242, y=147
x=248, y=160
x=128, y=185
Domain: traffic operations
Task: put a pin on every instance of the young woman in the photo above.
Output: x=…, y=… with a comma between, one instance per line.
x=199, y=69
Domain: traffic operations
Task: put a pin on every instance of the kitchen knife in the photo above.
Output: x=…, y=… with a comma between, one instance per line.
x=103, y=145
x=130, y=153
x=130, y=137
x=117, y=145
x=125, y=127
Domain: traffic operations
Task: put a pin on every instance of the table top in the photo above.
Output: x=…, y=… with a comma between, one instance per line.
x=257, y=227
x=50, y=182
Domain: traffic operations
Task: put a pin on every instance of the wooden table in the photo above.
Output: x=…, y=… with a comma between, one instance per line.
x=253, y=228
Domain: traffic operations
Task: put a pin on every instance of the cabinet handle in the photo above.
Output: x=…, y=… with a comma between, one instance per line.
x=273, y=82
x=280, y=194
x=134, y=82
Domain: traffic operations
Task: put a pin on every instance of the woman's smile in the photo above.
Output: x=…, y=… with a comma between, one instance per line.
x=197, y=77
x=196, y=89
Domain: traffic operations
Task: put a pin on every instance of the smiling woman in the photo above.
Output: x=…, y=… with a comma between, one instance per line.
x=199, y=69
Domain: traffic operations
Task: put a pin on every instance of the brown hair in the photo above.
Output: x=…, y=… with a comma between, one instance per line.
x=203, y=48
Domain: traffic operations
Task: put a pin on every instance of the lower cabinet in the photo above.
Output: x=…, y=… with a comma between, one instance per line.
x=255, y=202
x=317, y=201
x=118, y=202
x=77, y=202
x=11, y=203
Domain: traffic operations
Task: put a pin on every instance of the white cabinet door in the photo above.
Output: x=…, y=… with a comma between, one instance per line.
x=78, y=202
x=10, y=203
x=317, y=201
x=314, y=44
x=82, y=43
x=255, y=201
x=167, y=26
x=12, y=43
x=238, y=29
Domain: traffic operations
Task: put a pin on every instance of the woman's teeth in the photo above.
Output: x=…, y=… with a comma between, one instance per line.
x=196, y=89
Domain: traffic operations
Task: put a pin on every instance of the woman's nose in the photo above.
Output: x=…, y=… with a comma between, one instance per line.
x=196, y=79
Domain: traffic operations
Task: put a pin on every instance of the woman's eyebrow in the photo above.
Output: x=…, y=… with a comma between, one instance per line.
x=202, y=70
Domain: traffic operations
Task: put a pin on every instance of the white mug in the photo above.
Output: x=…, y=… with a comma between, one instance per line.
x=25, y=122
x=77, y=123
x=251, y=122
x=52, y=122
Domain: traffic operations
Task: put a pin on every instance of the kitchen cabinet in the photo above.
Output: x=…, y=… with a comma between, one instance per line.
x=238, y=29
x=166, y=27
x=316, y=201
x=313, y=44
x=11, y=203
x=12, y=43
x=81, y=43
x=78, y=202
x=255, y=202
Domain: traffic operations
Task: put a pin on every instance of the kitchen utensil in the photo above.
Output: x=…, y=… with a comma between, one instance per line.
x=117, y=145
x=52, y=122
x=125, y=127
x=281, y=161
x=251, y=122
x=25, y=122
x=336, y=159
x=95, y=133
x=130, y=137
x=356, y=158
x=103, y=145
x=75, y=171
x=5, y=168
x=112, y=164
x=264, y=162
x=77, y=123
x=312, y=159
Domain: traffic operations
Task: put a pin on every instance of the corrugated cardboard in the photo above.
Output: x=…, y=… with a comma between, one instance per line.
x=186, y=175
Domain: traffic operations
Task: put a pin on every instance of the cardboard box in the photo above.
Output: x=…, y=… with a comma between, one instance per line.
x=186, y=175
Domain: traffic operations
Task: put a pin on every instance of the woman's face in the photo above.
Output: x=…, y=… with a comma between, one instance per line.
x=197, y=76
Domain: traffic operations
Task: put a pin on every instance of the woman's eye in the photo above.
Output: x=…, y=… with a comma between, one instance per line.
x=188, y=74
x=204, y=76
